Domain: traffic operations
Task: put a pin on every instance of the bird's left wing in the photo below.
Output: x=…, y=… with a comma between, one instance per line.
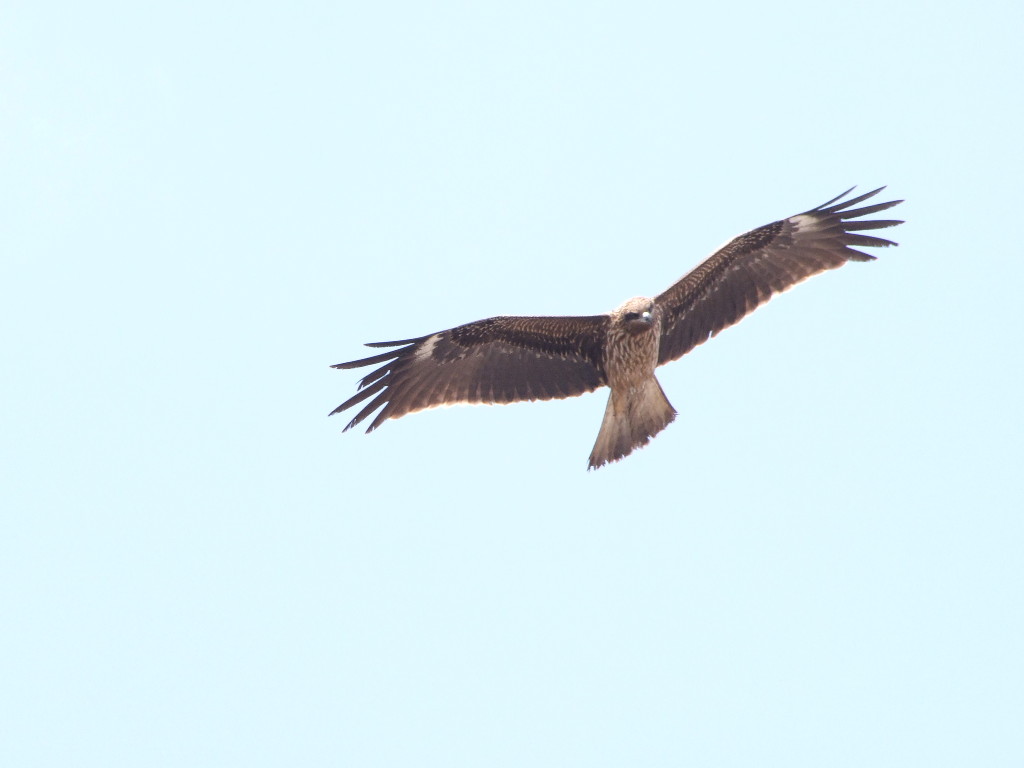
x=753, y=267
x=497, y=360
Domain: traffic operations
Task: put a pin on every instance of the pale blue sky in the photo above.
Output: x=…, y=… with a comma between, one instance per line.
x=204, y=205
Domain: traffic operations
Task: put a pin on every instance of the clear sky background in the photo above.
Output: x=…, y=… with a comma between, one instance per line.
x=204, y=205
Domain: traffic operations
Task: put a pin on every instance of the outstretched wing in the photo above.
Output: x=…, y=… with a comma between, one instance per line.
x=753, y=267
x=497, y=360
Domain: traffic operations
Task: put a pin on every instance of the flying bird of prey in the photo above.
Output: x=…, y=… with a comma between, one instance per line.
x=509, y=359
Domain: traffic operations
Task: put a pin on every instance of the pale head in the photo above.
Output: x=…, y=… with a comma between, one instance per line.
x=637, y=315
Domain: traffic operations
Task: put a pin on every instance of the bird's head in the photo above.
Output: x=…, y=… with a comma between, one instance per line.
x=637, y=315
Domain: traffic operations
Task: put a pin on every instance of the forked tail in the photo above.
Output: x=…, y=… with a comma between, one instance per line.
x=631, y=418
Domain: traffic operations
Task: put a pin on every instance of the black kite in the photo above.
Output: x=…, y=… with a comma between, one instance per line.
x=509, y=359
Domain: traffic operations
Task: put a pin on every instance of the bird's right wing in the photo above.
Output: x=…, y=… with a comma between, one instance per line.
x=497, y=360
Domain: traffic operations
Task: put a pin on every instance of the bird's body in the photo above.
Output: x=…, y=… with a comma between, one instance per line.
x=637, y=408
x=508, y=359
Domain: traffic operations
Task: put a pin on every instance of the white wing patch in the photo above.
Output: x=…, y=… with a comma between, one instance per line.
x=424, y=352
x=804, y=223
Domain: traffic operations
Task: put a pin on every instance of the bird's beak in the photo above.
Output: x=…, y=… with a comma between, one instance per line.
x=646, y=317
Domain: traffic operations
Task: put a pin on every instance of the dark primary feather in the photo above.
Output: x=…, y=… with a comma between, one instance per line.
x=497, y=360
x=755, y=266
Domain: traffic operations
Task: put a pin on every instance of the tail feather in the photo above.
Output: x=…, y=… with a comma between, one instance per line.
x=631, y=418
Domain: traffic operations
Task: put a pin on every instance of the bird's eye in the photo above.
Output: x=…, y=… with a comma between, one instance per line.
x=632, y=315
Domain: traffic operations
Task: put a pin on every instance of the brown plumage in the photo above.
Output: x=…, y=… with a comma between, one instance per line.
x=509, y=359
